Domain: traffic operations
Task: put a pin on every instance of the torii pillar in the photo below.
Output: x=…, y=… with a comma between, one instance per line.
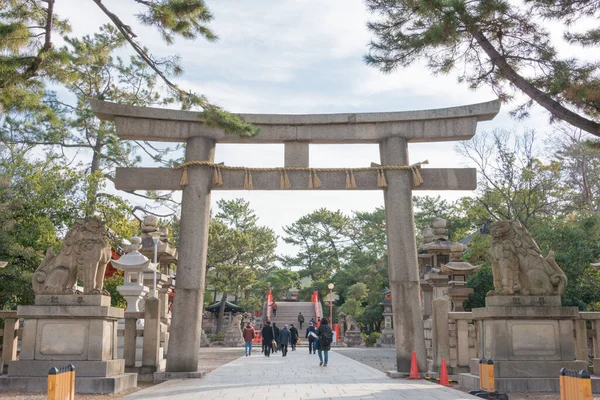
x=392, y=131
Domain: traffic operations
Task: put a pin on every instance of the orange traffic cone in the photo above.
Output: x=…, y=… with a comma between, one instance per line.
x=444, y=374
x=414, y=368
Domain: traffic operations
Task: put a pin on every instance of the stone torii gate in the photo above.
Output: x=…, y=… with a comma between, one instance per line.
x=391, y=130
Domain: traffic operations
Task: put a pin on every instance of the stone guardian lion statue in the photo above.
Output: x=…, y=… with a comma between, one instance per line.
x=518, y=265
x=84, y=255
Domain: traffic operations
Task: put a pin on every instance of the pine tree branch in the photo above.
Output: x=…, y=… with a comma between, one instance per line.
x=37, y=61
x=129, y=36
x=543, y=99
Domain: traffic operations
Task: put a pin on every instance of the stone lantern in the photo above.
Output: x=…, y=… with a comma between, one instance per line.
x=443, y=273
x=134, y=264
x=387, y=333
x=458, y=272
x=166, y=255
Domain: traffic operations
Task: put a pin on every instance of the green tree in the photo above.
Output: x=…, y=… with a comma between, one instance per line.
x=322, y=237
x=429, y=208
x=38, y=202
x=506, y=45
x=576, y=244
x=94, y=72
x=30, y=60
x=239, y=251
x=355, y=297
x=281, y=280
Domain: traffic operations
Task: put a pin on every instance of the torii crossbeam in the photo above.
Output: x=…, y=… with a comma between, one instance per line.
x=391, y=130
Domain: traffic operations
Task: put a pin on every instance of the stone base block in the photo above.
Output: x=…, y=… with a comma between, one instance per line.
x=353, y=339
x=72, y=300
x=528, y=369
x=86, y=369
x=165, y=376
x=522, y=301
x=596, y=366
x=96, y=385
x=524, y=385
x=146, y=374
x=396, y=374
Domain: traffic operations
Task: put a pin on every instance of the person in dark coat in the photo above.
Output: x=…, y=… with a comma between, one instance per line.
x=293, y=337
x=267, y=337
x=311, y=335
x=284, y=338
x=325, y=338
x=300, y=319
x=276, y=336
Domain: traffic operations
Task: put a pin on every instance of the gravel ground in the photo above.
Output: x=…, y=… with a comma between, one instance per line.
x=210, y=358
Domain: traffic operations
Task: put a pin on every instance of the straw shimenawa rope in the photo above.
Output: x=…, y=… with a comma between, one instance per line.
x=313, y=179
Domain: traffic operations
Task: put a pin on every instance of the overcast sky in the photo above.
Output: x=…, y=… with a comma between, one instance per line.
x=301, y=57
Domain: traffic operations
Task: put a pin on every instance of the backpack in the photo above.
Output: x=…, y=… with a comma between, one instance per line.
x=326, y=337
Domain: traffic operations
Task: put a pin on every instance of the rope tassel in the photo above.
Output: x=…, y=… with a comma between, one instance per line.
x=248, y=180
x=316, y=180
x=417, y=178
x=184, y=177
x=381, y=181
x=350, y=181
x=217, y=176
x=310, y=180
x=284, y=181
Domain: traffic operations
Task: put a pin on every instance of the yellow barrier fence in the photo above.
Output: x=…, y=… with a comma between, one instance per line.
x=61, y=383
x=575, y=385
x=486, y=375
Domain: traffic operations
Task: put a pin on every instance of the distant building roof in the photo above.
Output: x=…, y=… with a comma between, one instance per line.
x=229, y=307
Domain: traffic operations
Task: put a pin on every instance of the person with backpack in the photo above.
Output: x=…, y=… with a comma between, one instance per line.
x=325, y=338
x=311, y=335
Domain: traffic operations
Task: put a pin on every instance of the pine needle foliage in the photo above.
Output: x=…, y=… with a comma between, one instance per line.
x=503, y=44
x=29, y=59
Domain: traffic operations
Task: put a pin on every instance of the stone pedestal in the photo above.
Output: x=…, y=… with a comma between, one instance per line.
x=458, y=294
x=529, y=338
x=204, y=342
x=387, y=334
x=69, y=329
x=353, y=339
x=233, y=336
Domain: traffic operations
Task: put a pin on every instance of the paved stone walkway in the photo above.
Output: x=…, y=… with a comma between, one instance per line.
x=297, y=376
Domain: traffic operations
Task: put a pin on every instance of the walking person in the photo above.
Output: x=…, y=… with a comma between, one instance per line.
x=267, y=337
x=300, y=319
x=248, y=335
x=284, y=338
x=276, y=336
x=311, y=335
x=325, y=338
x=274, y=308
x=293, y=337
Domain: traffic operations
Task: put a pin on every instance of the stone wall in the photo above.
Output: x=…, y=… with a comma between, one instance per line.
x=428, y=339
x=463, y=340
